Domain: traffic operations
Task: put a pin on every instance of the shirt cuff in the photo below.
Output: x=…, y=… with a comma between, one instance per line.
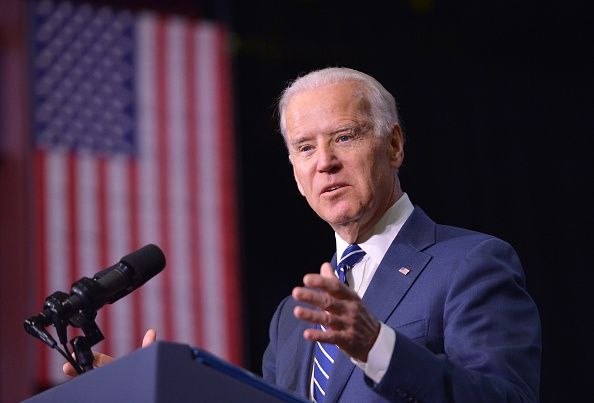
x=380, y=354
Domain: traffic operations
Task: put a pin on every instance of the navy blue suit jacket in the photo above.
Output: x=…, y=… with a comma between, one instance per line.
x=466, y=330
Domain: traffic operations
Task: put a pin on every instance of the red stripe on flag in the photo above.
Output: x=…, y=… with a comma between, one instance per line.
x=227, y=187
x=72, y=225
x=162, y=150
x=193, y=178
x=71, y=217
x=41, y=254
x=134, y=240
x=103, y=241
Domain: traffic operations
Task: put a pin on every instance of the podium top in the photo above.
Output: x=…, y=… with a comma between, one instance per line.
x=166, y=372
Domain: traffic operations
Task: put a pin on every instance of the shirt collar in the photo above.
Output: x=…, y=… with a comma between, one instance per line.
x=384, y=231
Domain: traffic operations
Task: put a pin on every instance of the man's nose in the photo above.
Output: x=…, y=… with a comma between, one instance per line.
x=328, y=160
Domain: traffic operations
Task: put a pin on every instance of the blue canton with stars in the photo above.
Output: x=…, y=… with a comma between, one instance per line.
x=83, y=87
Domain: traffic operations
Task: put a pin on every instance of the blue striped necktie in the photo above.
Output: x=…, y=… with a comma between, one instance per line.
x=324, y=353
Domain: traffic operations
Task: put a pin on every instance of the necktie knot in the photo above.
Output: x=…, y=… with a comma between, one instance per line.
x=350, y=257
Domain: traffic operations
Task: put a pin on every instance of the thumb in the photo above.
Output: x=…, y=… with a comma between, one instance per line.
x=149, y=337
x=327, y=271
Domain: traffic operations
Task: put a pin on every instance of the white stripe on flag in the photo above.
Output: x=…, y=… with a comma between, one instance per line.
x=149, y=222
x=58, y=276
x=199, y=277
x=178, y=205
x=87, y=219
x=118, y=245
x=86, y=188
x=209, y=214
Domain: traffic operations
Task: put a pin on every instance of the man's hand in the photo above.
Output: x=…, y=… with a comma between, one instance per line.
x=348, y=323
x=100, y=359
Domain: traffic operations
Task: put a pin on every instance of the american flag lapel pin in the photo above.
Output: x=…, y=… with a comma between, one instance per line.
x=404, y=270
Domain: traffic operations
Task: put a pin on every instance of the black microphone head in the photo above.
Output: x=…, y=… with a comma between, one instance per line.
x=145, y=262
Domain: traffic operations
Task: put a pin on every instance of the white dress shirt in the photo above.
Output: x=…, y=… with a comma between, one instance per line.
x=376, y=245
x=359, y=278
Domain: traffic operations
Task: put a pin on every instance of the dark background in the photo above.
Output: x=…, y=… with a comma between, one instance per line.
x=496, y=101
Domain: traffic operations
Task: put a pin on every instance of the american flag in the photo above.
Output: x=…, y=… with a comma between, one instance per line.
x=133, y=144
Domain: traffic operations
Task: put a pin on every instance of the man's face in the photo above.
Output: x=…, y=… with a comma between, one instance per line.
x=346, y=172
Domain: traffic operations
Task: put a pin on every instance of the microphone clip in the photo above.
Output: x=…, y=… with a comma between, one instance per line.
x=57, y=312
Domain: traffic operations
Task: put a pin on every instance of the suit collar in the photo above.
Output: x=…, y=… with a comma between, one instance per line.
x=418, y=232
x=377, y=241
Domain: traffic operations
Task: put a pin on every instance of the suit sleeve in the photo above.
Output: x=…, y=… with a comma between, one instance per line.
x=269, y=358
x=491, y=334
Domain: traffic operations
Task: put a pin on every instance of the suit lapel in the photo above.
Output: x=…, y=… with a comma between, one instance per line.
x=403, y=263
x=389, y=285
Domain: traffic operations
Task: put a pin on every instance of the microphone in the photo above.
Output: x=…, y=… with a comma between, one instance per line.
x=119, y=280
x=106, y=287
x=88, y=295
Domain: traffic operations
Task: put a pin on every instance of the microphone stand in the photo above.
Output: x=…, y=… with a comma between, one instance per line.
x=82, y=344
x=55, y=314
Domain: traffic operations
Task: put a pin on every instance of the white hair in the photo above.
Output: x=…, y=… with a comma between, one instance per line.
x=383, y=111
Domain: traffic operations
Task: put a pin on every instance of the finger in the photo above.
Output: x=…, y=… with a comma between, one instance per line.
x=322, y=300
x=327, y=271
x=149, y=338
x=312, y=297
x=331, y=285
x=318, y=317
x=323, y=318
x=328, y=336
x=68, y=369
x=100, y=359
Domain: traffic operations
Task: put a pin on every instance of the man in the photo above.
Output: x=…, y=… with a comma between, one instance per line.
x=418, y=311
x=422, y=312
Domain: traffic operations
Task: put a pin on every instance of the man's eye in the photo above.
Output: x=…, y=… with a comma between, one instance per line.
x=304, y=149
x=343, y=138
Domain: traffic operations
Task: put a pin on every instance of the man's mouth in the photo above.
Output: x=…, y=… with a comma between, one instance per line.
x=332, y=188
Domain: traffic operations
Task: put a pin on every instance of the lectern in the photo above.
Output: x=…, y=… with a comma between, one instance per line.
x=166, y=372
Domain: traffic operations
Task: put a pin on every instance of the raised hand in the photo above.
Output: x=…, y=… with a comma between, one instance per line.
x=348, y=323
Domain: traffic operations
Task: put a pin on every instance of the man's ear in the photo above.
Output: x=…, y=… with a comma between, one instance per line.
x=296, y=179
x=396, y=146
